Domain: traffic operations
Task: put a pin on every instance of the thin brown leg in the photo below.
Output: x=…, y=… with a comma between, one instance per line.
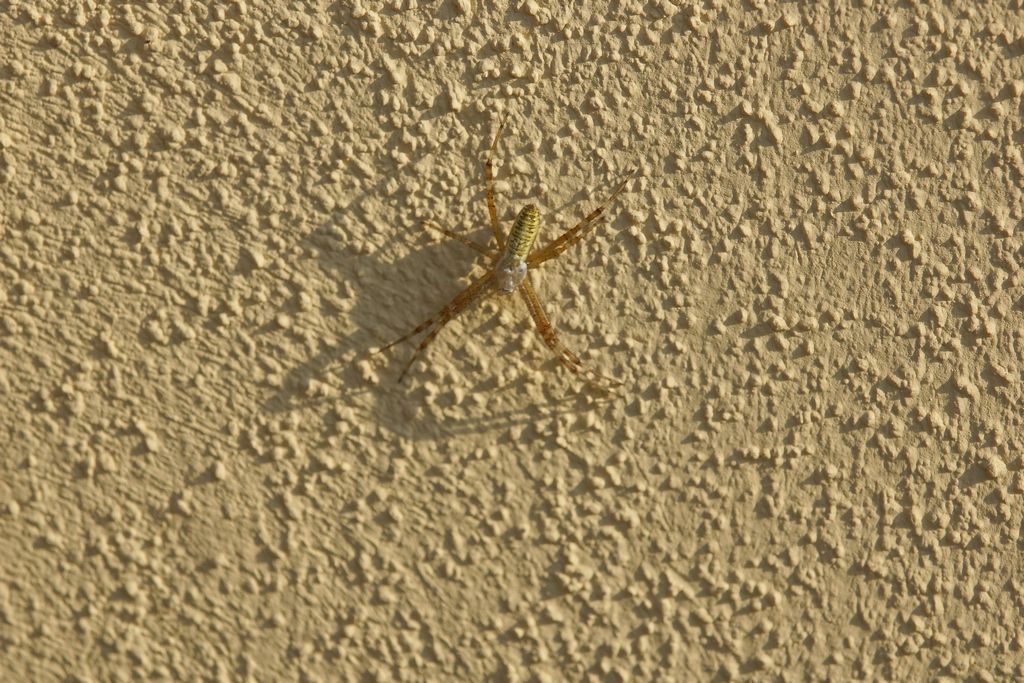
x=489, y=180
x=458, y=238
x=473, y=286
x=461, y=302
x=546, y=330
x=576, y=233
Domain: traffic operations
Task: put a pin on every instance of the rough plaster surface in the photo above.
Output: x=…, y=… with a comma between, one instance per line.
x=812, y=292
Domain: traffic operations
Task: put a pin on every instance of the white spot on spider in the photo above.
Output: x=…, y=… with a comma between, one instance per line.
x=510, y=273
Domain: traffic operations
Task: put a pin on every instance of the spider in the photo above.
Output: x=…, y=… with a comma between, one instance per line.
x=510, y=264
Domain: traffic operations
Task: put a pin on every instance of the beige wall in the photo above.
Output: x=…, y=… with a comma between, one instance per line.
x=811, y=293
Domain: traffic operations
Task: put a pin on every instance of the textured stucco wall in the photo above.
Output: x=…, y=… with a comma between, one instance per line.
x=812, y=292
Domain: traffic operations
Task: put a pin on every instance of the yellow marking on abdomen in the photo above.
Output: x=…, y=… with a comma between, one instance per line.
x=523, y=234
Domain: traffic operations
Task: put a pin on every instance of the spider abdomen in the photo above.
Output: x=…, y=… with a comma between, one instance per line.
x=523, y=234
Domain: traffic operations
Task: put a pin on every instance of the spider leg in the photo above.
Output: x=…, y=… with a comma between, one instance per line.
x=458, y=238
x=546, y=330
x=489, y=180
x=457, y=305
x=434, y=318
x=576, y=233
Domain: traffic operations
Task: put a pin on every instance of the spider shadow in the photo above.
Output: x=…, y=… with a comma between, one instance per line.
x=380, y=301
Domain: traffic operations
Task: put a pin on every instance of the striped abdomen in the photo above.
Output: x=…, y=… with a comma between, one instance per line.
x=511, y=268
x=523, y=234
